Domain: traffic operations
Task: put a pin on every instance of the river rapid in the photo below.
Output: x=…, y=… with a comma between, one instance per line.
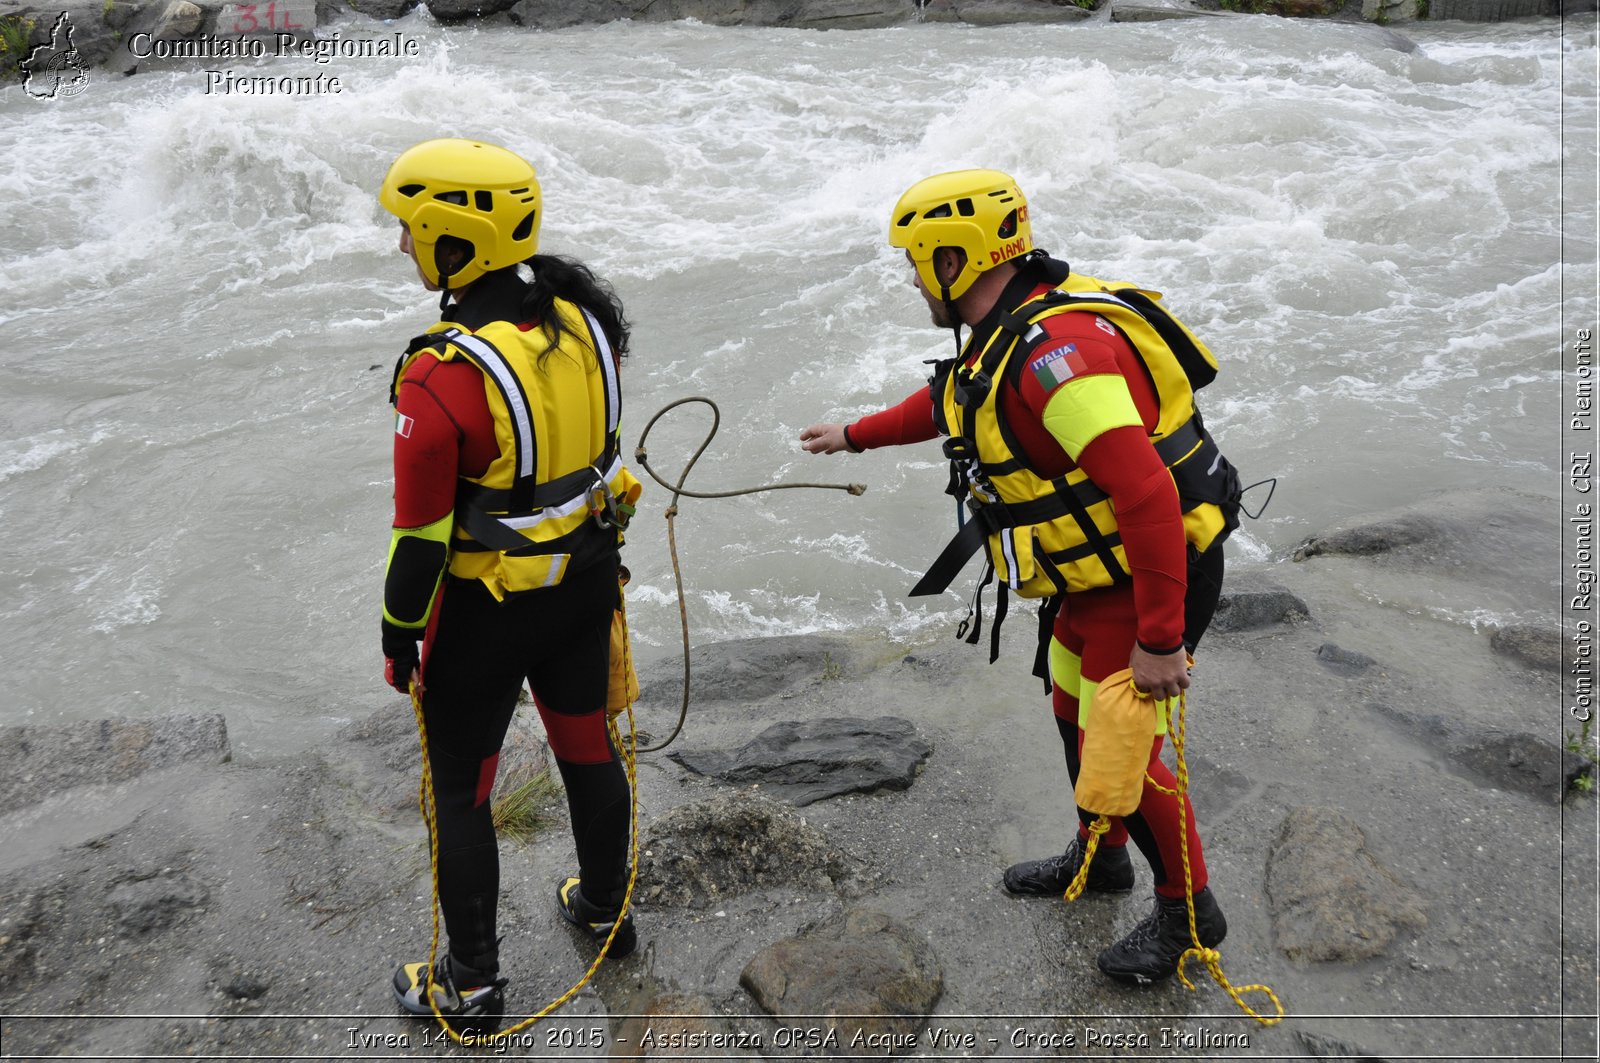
x=202, y=302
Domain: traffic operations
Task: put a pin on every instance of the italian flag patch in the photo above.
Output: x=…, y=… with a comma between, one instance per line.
x=1056, y=367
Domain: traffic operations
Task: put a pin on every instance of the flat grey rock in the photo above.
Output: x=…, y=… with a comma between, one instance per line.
x=809, y=760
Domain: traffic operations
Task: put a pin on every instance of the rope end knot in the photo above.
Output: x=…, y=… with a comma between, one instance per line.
x=856, y=489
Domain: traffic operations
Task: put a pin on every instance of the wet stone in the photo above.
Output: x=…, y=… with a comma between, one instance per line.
x=1515, y=761
x=1342, y=661
x=1331, y=900
x=809, y=760
x=1535, y=645
x=864, y=977
x=1379, y=537
x=1252, y=610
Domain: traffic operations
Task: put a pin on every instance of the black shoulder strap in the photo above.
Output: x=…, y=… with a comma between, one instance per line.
x=419, y=343
x=1195, y=365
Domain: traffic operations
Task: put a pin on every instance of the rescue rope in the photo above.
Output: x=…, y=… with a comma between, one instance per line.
x=1102, y=823
x=425, y=799
x=641, y=456
x=1210, y=957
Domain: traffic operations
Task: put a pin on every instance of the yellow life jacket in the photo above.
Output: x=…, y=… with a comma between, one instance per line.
x=1048, y=537
x=557, y=496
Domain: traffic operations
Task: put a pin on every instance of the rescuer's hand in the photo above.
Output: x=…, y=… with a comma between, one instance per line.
x=824, y=439
x=1159, y=675
x=400, y=658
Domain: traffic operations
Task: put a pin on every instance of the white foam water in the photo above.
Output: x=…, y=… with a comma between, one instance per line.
x=202, y=301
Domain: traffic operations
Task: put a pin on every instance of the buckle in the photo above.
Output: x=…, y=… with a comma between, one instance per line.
x=972, y=388
x=960, y=448
x=607, y=512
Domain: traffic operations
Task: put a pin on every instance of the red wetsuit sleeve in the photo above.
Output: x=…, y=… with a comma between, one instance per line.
x=1124, y=465
x=443, y=430
x=427, y=448
x=909, y=422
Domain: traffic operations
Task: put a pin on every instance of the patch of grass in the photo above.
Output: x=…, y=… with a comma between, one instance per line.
x=831, y=669
x=15, y=32
x=520, y=813
x=1583, y=744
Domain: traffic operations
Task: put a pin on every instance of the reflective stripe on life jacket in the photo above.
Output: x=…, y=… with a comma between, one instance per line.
x=1060, y=535
x=556, y=496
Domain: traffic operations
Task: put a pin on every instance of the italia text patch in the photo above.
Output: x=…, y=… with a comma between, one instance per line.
x=402, y=425
x=1056, y=367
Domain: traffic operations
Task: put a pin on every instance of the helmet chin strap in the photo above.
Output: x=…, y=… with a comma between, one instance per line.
x=955, y=315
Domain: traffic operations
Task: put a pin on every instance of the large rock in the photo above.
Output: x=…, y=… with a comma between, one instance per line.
x=383, y=10
x=1538, y=646
x=1251, y=610
x=1490, y=10
x=863, y=977
x=806, y=761
x=1005, y=12
x=732, y=844
x=1508, y=760
x=1160, y=11
x=457, y=10
x=745, y=670
x=1330, y=898
x=559, y=14
x=1378, y=537
x=38, y=761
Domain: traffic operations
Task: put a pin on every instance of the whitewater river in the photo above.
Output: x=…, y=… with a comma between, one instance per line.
x=201, y=302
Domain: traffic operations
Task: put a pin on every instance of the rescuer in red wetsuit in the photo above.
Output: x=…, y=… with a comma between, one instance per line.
x=1044, y=397
x=509, y=500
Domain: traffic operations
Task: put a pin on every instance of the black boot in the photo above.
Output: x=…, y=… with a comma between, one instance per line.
x=1109, y=872
x=595, y=921
x=470, y=1000
x=1150, y=952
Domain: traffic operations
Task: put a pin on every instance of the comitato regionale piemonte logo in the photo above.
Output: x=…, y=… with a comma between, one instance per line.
x=55, y=69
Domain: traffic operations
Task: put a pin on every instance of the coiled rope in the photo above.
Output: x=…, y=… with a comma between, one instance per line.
x=678, y=490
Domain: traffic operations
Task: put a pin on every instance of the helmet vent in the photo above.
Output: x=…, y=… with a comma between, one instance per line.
x=484, y=200
x=964, y=208
x=906, y=220
x=1008, y=227
x=409, y=190
x=941, y=211
x=458, y=198
x=517, y=192
x=524, y=227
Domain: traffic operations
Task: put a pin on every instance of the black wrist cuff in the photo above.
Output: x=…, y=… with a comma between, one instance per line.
x=1146, y=647
x=850, y=442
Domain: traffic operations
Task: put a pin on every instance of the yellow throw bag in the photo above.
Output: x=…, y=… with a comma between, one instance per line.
x=623, y=689
x=1116, y=747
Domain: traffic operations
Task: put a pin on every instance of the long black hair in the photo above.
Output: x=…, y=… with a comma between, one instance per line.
x=557, y=277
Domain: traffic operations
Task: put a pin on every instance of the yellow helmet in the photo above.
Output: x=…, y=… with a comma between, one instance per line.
x=472, y=191
x=982, y=212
